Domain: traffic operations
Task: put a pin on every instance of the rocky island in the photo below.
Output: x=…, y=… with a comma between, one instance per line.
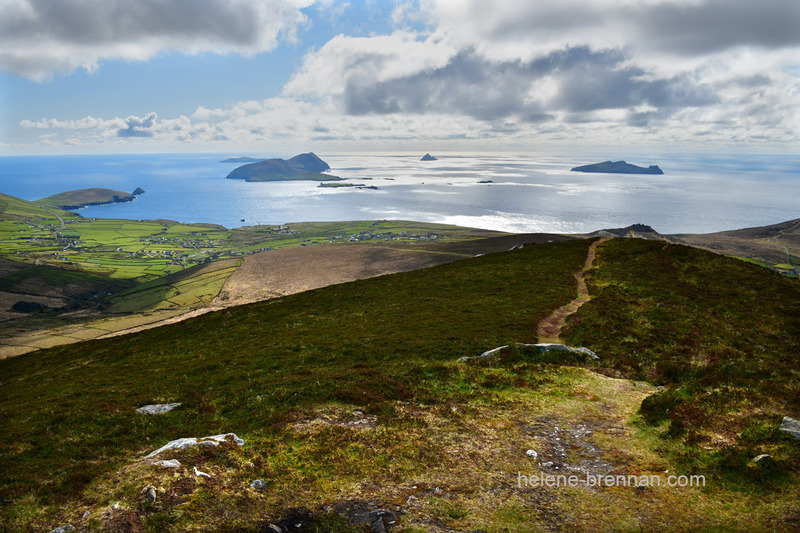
x=300, y=167
x=618, y=167
x=244, y=159
x=428, y=157
x=86, y=197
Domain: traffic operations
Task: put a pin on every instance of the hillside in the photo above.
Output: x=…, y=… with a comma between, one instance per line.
x=300, y=167
x=351, y=401
x=85, y=197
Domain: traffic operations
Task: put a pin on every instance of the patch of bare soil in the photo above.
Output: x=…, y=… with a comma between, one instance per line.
x=291, y=270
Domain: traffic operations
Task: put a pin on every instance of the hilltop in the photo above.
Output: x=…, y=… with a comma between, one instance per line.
x=300, y=167
x=85, y=197
x=351, y=401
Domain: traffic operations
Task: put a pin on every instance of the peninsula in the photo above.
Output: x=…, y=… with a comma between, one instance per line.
x=618, y=167
x=85, y=197
x=300, y=167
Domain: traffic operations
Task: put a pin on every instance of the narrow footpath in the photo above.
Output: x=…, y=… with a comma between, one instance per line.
x=549, y=329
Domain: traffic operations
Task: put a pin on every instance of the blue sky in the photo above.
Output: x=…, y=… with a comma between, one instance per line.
x=262, y=76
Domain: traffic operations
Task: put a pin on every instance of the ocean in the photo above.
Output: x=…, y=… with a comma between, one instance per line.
x=697, y=193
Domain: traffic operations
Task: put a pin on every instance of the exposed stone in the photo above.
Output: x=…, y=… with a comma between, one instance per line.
x=62, y=529
x=199, y=473
x=791, y=426
x=532, y=454
x=213, y=440
x=169, y=463
x=156, y=409
x=542, y=348
x=149, y=493
x=258, y=484
x=764, y=458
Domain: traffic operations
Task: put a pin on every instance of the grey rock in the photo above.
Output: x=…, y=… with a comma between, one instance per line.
x=258, y=484
x=179, y=444
x=764, y=458
x=791, y=426
x=542, y=348
x=156, y=409
x=149, y=493
x=169, y=463
x=532, y=454
x=62, y=529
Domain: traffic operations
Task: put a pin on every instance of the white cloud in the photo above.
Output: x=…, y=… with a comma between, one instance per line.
x=41, y=37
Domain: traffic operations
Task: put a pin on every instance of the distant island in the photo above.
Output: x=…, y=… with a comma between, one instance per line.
x=618, y=167
x=86, y=197
x=300, y=167
x=428, y=157
x=245, y=159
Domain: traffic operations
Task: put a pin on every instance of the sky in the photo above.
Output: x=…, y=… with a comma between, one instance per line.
x=289, y=76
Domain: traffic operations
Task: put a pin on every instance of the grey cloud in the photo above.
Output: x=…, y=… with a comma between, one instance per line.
x=717, y=25
x=40, y=37
x=487, y=90
x=138, y=127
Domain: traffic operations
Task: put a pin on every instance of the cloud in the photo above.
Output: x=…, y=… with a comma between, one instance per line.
x=40, y=37
x=138, y=127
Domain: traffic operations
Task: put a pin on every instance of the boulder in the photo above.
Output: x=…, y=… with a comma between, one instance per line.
x=541, y=348
x=169, y=463
x=156, y=409
x=62, y=529
x=258, y=484
x=213, y=440
x=791, y=426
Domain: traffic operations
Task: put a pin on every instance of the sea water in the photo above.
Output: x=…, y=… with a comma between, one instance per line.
x=697, y=193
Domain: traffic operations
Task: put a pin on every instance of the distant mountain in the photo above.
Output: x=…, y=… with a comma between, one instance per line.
x=301, y=167
x=618, y=167
x=85, y=197
x=428, y=157
x=245, y=159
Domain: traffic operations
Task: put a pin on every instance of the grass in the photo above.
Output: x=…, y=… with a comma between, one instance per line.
x=352, y=394
x=722, y=336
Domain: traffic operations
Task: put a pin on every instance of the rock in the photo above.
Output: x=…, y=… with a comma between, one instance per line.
x=85, y=515
x=138, y=191
x=542, y=348
x=149, y=493
x=258, y=484
x=179, y=444
x=271, y=528
x=428, y=157
x=156, y=409
x=200, y=473
x=764, y=458
x=62, y=529
x=791, y=426
x=532, y=454
x=169, y=463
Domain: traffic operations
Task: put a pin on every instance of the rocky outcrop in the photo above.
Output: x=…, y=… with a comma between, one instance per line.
x=213, y=440
x=138, y=191
x=428, y=157
x=157, y=408
x=541, y=348
x=791, y=426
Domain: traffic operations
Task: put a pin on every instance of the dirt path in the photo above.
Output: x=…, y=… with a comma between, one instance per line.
x=549, y=329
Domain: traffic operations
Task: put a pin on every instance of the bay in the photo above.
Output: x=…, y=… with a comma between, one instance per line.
x=697, y=193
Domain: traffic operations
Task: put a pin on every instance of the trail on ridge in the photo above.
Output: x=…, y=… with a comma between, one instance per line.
x=549, y=329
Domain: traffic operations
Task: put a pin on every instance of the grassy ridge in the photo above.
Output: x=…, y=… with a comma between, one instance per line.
x=244, y=369
x=722, y=335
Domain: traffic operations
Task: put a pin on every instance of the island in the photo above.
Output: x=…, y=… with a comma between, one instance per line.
x=618, y=167
x=85, y=197
x=428, y=157
x=245, y=159
x=138, y=191
x=301, y=167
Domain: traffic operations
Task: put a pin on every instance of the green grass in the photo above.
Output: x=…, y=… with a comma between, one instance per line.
x=289, y=374
x=723, y=336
